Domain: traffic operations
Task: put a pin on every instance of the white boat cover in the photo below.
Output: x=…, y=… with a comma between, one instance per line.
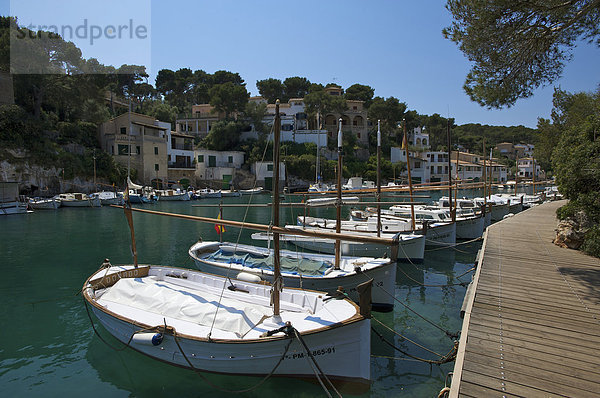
x=171, y=300
x=131, y=185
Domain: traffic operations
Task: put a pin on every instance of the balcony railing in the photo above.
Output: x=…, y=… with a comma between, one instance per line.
x=181, y=165
x=183, y=147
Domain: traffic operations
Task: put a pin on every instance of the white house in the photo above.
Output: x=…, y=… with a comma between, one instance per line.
x=419, y=167
x=525, y=169
x=263, y=172
x=419, y=139
x=217, y=165
x=438, y=165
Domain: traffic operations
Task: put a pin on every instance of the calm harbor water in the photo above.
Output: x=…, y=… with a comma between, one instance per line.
x=48, y=347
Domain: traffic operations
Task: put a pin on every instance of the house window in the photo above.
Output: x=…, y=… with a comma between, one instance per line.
x=200, y=158
x=358, y=134
x=156, y=150
x=230, y=159
x=123, y=130
x=270, y=167
x=156, y=166
x=354, y=107
x=138, y=149
x=417, y=165
x=123, y=149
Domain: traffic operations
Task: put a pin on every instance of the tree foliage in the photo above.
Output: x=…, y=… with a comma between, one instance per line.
x=576, y=158
x=319, y=101
x=271, y=89
x=224, y=135
x=360, y=92
x=228, y=97
x=518, y=46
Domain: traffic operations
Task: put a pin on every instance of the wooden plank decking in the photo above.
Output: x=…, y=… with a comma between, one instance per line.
x=532, y=328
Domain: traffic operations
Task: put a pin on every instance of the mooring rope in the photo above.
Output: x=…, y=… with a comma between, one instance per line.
x=449, y=357
x=301, y=340
x=207, y=381
x=405, y=338
x=463, y=284
x=448, y=333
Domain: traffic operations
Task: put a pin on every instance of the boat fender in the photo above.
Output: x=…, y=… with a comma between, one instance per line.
x=248, y=277
x=147, y=338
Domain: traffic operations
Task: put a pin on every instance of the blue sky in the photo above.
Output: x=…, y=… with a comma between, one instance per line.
x=394, y=46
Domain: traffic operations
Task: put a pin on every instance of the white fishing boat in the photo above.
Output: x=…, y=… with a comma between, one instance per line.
x=9, y=199
x=500, y=207
x=533, y=200
x=328, y=201
x=218, y=324
x=439, y=230
x=207, y=193
x=229, y=193
x=251, y=191
x=108, y=198
x=173, y=195
x=409, y=247
x=78, y=200
x=214, y=323
x=303, y=270
x=515, y=204
x=469, y=224
x=44, y=203
x=319, y=188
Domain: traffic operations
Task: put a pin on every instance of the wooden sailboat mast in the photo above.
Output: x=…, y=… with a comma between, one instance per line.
x=277, y=279
x=378, y=196
x=410, y=187
x=338, y=209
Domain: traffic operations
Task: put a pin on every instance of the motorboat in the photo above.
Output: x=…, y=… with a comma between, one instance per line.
x=78, y=199
x=173, y=194
x=108, y=198
x=44, y=203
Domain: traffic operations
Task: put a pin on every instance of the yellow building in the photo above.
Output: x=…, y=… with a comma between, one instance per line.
x=354, y=119
x=138, y=141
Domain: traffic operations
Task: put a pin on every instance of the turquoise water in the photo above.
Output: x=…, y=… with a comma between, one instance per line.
x=48, y=347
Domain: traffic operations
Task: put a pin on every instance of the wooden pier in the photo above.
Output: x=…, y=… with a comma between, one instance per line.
x=532, y=326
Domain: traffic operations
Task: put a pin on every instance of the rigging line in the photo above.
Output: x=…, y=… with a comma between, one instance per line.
x=449, y=334
x=237, y=241
x=426, y=285
x=404, y=337
x=207, y=381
